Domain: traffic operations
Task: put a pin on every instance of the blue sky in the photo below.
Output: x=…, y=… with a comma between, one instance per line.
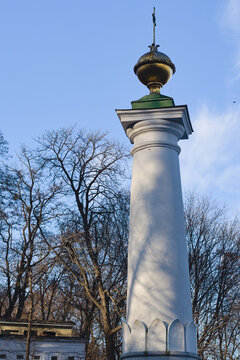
x=71, y=62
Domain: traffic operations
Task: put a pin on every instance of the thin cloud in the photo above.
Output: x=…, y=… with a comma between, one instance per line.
x=230, y=19
x=210, y=159
x=237, y=62
x=231, y=15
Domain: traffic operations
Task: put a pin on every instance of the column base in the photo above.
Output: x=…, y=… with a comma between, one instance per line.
x=160, y=355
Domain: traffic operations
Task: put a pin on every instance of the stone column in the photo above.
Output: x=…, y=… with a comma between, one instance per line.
x=159, y=312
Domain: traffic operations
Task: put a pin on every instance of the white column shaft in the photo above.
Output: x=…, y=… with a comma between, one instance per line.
x=159, y=311
x=158, y=280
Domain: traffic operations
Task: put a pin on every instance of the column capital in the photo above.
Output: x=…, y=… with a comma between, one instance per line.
x=177, y=114
x=155, y=133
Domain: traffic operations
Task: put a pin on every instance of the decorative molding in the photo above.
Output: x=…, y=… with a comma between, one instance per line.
x=176, y=336
x=157, y=336
x=190, y=336
x=138, y=336
x=170, y=355
x=160, y=125
x=160, y=133
x=160, y=336
x=178, y=114
x=151, y=144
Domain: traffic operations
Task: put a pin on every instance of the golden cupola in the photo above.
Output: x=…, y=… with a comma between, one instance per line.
x=154, y=69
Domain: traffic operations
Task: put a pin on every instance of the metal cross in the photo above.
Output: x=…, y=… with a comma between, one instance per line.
x=154, y=25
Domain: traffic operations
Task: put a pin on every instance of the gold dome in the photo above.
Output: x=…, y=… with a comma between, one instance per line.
x=154, y=69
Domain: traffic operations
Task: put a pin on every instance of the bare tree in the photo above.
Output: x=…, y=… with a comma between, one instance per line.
x=50, y=301
x=93, y=242
x=214, y=262
x=63, y=240
x=28, y=204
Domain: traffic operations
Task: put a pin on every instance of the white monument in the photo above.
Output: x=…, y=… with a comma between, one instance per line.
x=159, y=322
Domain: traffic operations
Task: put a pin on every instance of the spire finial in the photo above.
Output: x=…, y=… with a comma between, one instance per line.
x=153, y=46
x=154, y=68
x=154, y=25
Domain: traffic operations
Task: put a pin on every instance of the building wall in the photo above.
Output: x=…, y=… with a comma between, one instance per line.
x=42, y=349
x=19, y=328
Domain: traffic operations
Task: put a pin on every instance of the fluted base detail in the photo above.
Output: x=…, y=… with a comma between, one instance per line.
x=160, y=355
x=160, y=337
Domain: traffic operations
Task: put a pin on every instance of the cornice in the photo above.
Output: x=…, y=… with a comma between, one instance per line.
x=178, y=114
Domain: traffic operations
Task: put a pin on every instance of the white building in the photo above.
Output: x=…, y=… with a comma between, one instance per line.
x=49, y=341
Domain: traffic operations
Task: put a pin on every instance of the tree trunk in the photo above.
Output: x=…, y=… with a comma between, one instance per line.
x=30, y=316
x=28, y=341
x=110, y=348
x=110, y=353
